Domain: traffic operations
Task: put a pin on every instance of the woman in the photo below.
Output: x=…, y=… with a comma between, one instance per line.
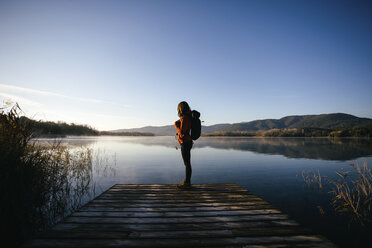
x=183, y=126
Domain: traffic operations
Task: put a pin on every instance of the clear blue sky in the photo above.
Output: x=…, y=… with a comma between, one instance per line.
x=123, y=64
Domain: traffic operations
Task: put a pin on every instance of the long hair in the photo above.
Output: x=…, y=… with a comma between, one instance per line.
x=183, y=108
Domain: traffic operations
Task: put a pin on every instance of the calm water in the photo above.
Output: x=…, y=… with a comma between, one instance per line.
x=268, y=167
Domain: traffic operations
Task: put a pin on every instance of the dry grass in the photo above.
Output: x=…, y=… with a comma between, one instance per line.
x=38, y=184
x=312, y=179
x=351, y=192
x=354, y=196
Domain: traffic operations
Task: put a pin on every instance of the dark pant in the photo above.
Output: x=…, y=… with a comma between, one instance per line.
x=186, y=155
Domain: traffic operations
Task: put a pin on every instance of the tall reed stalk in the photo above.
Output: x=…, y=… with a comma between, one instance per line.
x=354, y=196
x=351, y=191
x=38, y=184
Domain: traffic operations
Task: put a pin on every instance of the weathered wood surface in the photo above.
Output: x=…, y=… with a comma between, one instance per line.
x=207, y=215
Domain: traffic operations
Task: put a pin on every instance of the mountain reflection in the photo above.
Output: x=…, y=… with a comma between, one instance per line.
x=312, y=148
x=339, y=149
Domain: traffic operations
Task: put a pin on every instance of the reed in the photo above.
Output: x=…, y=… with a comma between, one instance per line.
x=312, y=179
x=351, y=192
x=354, y=196
x=38, y=184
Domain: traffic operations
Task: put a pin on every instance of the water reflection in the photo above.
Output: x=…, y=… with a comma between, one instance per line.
x=312, y=148
x=73, y=141
x=72, y=171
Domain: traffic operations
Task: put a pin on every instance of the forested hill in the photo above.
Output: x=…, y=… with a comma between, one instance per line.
x=337, y=121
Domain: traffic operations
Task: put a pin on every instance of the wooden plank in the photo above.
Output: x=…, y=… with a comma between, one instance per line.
x=204, y=219
x=175, y=190
x=209, y=185
x=177, y=194
x=172, y=188
x=281, y=245
x=207, y=215
x=104, y=208
x=175, y=205
x=212, y=233
x=175, y=214
x=179, y=197
x=173, y=226
x=169, y=200
x=176, y=242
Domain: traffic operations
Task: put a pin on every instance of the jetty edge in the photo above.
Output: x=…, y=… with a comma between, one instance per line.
x=160, y=215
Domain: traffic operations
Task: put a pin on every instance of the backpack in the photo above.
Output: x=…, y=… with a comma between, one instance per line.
x=195, y=125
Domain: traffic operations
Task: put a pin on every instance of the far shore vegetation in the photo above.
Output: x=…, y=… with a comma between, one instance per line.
x=360, y=131
x=62, y=129
x=125, y=133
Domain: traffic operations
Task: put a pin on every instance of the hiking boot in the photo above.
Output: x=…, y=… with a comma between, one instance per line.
x=184, y=185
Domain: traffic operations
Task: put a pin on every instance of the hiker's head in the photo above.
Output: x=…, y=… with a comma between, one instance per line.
x=183, y=108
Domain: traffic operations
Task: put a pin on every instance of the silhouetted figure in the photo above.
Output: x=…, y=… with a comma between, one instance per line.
x=183, y=126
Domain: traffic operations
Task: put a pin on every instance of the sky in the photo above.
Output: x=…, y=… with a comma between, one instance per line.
x=126, y=64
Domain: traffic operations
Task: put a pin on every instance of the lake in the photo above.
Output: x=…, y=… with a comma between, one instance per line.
x=268, y=167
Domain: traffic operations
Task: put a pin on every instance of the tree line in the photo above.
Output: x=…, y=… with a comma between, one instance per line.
x=61, y=129
x=49, y=128
x=359, y=131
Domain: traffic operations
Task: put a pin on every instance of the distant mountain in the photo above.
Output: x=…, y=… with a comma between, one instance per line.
x=336, y=121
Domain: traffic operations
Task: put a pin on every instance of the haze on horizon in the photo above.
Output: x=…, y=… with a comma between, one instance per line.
x=126, y=64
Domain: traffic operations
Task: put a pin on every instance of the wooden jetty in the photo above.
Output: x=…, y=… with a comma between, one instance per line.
x=159, y=215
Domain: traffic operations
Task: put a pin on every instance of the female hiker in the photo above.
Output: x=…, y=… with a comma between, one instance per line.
x=183, y=126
